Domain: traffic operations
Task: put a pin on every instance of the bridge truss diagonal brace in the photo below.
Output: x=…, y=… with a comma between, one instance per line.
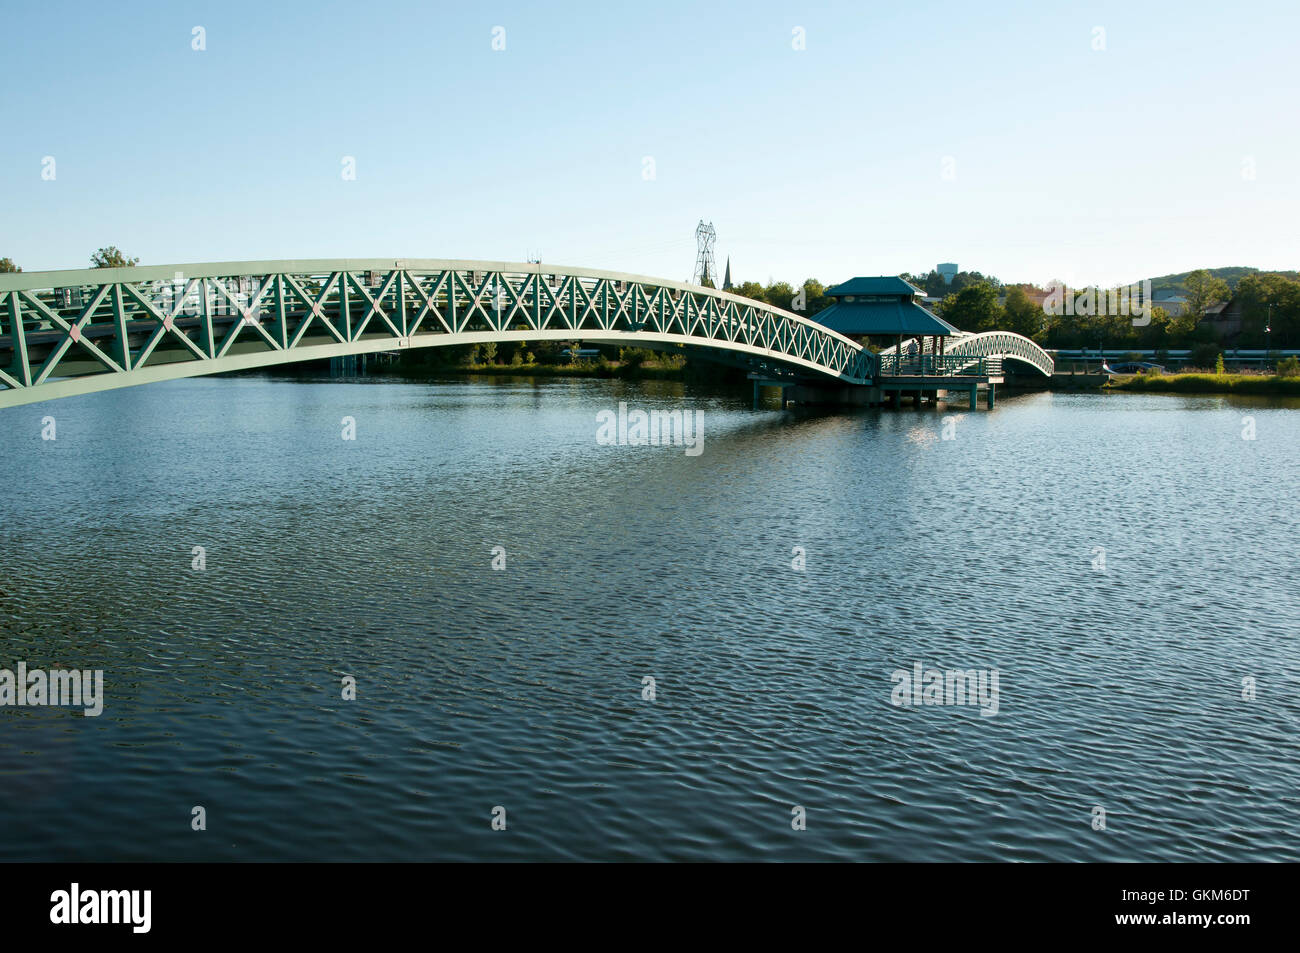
x=309, y=310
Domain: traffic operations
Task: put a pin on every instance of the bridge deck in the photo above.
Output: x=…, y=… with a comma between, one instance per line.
x=946, y=382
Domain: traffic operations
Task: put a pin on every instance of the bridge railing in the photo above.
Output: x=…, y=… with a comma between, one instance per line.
x=75, y=332
x=938, y=365
x=994, y=345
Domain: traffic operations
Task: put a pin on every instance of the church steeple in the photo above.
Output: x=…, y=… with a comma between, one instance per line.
x=726, y=281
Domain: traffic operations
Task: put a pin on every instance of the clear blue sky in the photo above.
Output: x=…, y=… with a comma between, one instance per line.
x=1092, y=166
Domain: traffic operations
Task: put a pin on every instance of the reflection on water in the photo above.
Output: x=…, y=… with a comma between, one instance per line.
x=522, y=687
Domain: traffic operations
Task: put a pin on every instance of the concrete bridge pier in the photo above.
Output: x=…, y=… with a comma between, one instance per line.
x=845, y=395
x=973, y=393
x=785, y=385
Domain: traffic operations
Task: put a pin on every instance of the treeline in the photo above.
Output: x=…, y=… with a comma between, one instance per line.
x=781, y=294
x=107, y=257
x=1268, y=304
x=527, y=356
x=935, y=286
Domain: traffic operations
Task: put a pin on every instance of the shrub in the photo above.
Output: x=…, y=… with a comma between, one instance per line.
x=1203, y=355
x=633, y=356
x=1289, y=367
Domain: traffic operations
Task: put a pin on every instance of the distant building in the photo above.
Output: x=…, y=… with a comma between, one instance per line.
x=1224, y=318
x=947, y=269
x=1171, y=301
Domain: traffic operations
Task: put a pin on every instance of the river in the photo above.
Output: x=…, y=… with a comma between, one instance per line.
x=1125, y=563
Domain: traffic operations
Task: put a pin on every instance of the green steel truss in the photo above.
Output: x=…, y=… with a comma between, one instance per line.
x=74, y=332
x=981, y=349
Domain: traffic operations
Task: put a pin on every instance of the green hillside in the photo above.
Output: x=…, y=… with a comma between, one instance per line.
x=1231, y=275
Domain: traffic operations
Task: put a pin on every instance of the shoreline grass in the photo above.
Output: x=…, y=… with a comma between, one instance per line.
x=1208, y=383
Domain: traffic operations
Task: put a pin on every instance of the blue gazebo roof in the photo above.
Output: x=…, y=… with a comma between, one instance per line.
x=883, y=285
x=884, y=305
x=883, y=317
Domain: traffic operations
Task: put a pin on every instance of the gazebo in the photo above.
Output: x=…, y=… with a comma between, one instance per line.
x=886, y=308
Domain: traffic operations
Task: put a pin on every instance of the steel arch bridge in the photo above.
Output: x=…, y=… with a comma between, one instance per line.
x=76, y=332
x=995, y=345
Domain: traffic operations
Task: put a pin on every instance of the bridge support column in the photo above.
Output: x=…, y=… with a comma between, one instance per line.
x=784, y=385
x=992, y=387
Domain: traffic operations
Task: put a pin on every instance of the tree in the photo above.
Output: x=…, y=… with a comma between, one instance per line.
x=1022, y=315
x=933, y=284
x=7, y=266
x=633, y=356
x=1156, y=333
x=1182, y=325
x=1202, y=355
x=1203, y=289
x=814, y=293
x=780, y=295
x=1269, y=301
x=974, y=308
x=749, y=289
x=110, y=257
